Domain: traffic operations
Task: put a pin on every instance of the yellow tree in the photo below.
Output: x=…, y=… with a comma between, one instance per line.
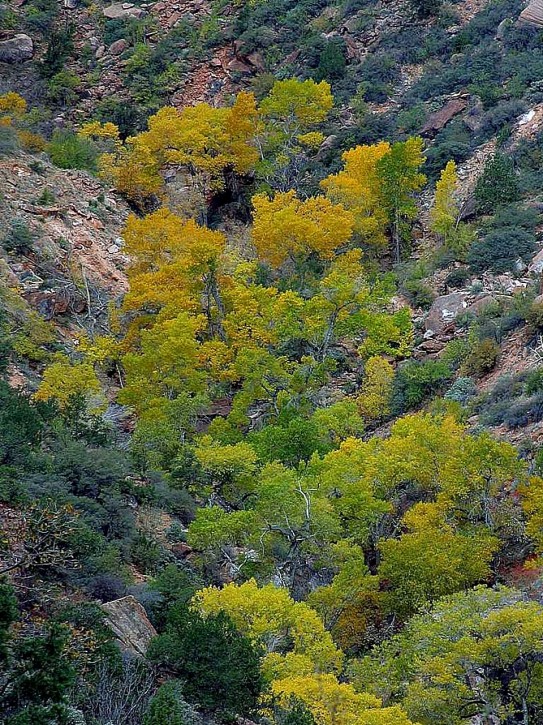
x=64, y=381
x=445, y=213
x=176, y=266
x=205, y=141
x=358, y=188
x=292, y=634
x=291, y=115
x=286, y=227
x=334, y=703
x=376, y=391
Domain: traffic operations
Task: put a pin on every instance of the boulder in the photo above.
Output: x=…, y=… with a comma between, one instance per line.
x=118, y=47
x=444, y=310
x=16, y=49
x=536, y=265
x=117, y=10
x=441, y=118
x=129, y=623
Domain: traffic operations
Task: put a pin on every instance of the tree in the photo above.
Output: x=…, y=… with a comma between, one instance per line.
x=431, y=561
x=167, y=706
x=474, y=655
x=400, y=177
x=35, y=669
x=375, y=394
x=334, y=703
x=290, y=116
x=218, y=664
x=207, y=142
x=176, y=267
x=63, y=382
x=291, y=633
x=497, y=185
x=358, y=188
x=287, y=228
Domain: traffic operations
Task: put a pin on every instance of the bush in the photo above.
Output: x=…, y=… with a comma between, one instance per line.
x=534, y=318
x=106, y=587
x=418, y=293
x=167, y=707
x=416, y=381
x=426, y=8
x=59, y=48
x=482, y=358
x=219, y=665
x=70, y=151
x=9, y=142
x=461, y=391
x=499, y=251
x=457, y=278
x=19, y=238
x=497, y=184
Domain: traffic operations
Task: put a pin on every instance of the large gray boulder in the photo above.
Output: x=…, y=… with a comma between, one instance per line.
x=16, y=49
x=122, y=10
x=128, y=621
x=444, y=310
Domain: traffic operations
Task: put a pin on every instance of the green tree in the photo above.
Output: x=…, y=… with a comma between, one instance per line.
x=167, y=707
x=400, y=176
x=497, y=185
x=218, y=664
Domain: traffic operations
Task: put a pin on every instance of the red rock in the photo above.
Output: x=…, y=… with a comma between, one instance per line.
x=118, y=47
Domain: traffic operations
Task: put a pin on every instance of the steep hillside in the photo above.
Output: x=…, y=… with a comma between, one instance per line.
x=271, y=362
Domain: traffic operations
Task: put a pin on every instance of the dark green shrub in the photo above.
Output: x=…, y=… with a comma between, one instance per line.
x=534, y=382
x=499, y=251
x=418, y=293
x=59, y=49
x=534, y=318
x=9, y=143
x=482, y=358
x=332, y=61
x=70, y=151
x=167, y=707
x=425, y=8
x=497, y=185
x=19, y=238
x=457, y=278
x=415, y=381
x=219, y=665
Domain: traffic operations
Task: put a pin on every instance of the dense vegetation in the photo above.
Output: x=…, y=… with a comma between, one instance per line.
x=258, y=446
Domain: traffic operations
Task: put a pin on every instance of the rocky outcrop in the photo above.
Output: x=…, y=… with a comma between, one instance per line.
x=533, y=13
x=441, y=118
x=129, y=623
x=444, y=310
x=122, y=10
x=16, y=49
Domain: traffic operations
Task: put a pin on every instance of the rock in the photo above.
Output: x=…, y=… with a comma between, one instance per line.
x=181, y=550
x=113, y=249
x=70, y=4
x=480, y=304
x=130, y=624
x=100, y=52
x=536, y=265
x=533, y=14
x=444, y=310
x=16, y=49
x=118, y=47
x=526, y=118
x=441, y=118
x=238, y=66
x=502, y=27
x=118, y=11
